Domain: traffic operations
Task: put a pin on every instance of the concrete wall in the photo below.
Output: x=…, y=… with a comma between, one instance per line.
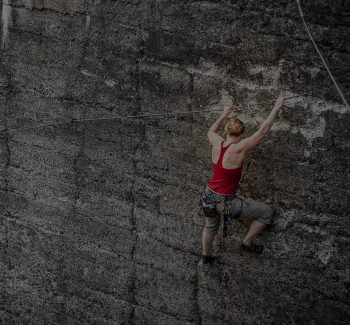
x=99, y=221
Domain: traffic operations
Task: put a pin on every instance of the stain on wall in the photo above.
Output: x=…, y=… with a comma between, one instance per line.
x=5, y=22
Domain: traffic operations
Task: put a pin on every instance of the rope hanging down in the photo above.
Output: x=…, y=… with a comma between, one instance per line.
x=120, y=117
x=319, y=53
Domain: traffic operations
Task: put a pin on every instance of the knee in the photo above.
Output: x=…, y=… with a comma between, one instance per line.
x=267, y=215
x=212, y=226
x=269, y=211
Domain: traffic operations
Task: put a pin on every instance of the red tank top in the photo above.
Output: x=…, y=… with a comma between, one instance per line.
x=223, y=180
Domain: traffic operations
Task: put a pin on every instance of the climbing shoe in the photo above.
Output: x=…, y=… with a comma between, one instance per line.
x=252, y=248
x=207, y=259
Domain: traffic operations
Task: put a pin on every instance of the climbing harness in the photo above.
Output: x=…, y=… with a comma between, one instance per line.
x=209, y=201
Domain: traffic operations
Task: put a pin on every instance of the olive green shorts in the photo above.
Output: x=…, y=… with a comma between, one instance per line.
x=250, y=210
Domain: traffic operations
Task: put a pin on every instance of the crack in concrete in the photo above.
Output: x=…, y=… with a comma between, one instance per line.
x=195, y=281
x=175, y=248
x=315, y=291
x=195, y=293
x=135, y=304
x=133, y=221
x=80, y=131
x=52, y=10
x=6, y=214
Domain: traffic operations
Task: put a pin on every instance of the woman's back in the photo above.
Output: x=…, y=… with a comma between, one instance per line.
x=226, y=173
x=233, y=156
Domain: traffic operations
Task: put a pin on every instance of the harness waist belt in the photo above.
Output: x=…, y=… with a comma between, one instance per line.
x=218, y=196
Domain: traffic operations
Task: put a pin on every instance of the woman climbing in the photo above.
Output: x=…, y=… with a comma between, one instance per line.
x=220, y=193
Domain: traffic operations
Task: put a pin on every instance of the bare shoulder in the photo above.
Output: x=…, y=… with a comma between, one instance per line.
x=239, y=147
x=215, y=139
x=249, y=142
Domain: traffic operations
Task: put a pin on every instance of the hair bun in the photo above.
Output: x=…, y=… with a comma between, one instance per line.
x=234, y=127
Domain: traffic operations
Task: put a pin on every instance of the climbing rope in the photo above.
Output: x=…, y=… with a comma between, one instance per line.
x=121, y=117
x=249, y=163
x=320, y=55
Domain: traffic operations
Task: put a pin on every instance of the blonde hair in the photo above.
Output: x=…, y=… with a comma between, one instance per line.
x=234, y=127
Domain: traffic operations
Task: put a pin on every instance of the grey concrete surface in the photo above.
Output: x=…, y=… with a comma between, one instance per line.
x=99, y=220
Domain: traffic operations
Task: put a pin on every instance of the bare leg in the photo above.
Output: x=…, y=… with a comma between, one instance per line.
x=255, y=229
x=208, y=239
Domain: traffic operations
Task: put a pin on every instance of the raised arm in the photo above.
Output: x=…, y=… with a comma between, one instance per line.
x=213, y=136
x=265, y=127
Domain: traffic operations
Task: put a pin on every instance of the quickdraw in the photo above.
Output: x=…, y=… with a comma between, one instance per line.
x=226, y=216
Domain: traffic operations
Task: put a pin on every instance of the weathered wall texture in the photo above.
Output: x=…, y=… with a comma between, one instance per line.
x=99, y=222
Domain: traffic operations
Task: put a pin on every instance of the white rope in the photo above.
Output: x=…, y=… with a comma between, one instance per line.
x=319, y=53
x=122, y=117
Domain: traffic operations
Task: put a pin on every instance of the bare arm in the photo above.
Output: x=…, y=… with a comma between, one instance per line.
x=213, y=136
x=265, y=127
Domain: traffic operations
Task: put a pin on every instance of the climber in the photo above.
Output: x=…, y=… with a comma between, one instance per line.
x=220, y=193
